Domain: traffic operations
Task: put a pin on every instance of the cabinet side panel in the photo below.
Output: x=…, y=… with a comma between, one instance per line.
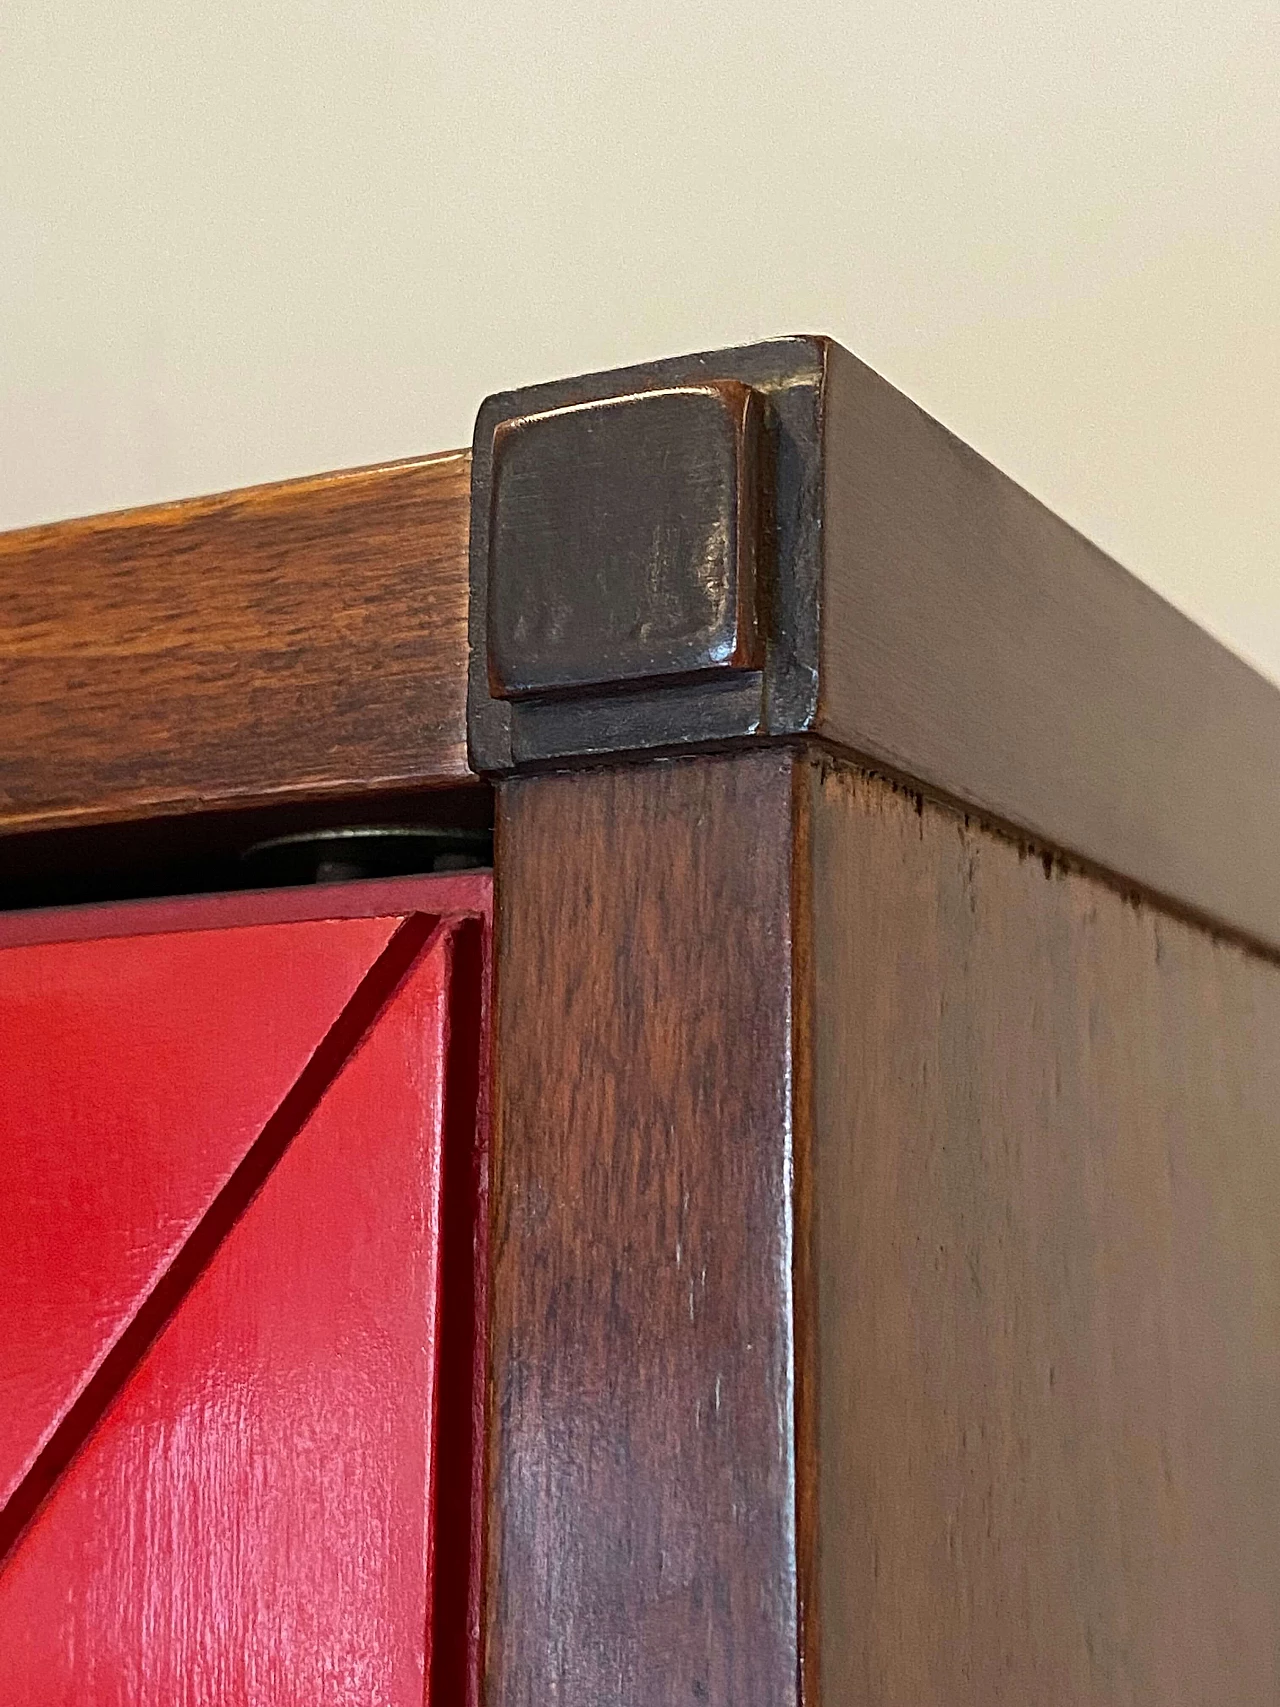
x=971, y=639
x=1047, y=1199
x=641, y=1528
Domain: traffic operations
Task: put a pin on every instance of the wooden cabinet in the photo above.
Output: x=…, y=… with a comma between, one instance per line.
x=846, y=1269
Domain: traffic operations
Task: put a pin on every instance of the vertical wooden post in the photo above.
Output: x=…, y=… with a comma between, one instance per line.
x=641, y=1521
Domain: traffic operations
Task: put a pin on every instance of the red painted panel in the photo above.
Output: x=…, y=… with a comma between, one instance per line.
x=134, y=1075
x=250, y=1521
x=444, y=895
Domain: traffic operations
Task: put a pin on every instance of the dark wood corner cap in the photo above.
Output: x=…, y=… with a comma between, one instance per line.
x=622, y=541
x=770, y=542
x=644, y=557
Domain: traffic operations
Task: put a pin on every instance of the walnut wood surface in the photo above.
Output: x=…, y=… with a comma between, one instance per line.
x=919, y=611
x=1046, y=1258
x=972, y=640
x=999, y=1425
x=306, y=643
x=290, y=641
x=641, y=1521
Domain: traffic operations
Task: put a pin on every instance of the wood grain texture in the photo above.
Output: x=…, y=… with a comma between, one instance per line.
x=918, y=610
x=297, y=640
x=972, y=640
x=641, y=1517
x=1046, y=1260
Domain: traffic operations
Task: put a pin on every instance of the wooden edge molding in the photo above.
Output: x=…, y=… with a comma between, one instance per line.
x=752, y=545
x=299, y=641
x=901, y=601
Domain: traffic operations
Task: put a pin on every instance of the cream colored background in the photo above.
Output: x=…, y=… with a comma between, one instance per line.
x=242, y=241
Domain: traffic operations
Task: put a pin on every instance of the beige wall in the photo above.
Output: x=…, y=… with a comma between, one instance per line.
x=243, y=240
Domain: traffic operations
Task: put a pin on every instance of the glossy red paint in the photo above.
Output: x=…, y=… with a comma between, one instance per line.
x=450, y=895
x=134, y=1075
x=252, y=1516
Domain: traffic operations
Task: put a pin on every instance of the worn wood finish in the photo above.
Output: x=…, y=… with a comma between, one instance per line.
x=306, y=642
x=974, y=641
x=1046, y=1189
x=653, y=539
x=622, y=541
x=885, y=1301
x=917, y=610
x=291, y=641
x=641, y=1517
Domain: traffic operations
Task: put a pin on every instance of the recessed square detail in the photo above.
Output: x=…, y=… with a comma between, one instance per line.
x=622, y=541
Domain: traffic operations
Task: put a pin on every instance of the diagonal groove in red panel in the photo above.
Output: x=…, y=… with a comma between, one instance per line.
x=336, y=1047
